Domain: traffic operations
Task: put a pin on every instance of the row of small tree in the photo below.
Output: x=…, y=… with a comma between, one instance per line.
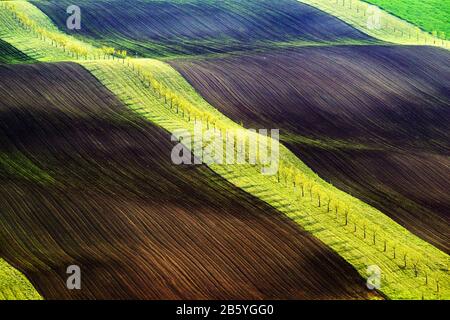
x=340, y=210
x=176, y=102
x=304, y=186
x=59, y=40
x=392, y=24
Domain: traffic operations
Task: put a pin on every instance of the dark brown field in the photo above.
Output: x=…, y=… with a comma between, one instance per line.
x=155, y=28
x=373, y=120
x=84, y=181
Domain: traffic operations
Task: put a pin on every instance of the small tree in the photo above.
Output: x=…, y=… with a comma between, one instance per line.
x=319, y=197
x=336, y=208
x=83, y=52
x=310, y=189
x=434, y=34
x=108, y=51
x=122, y=54
x=63, y=42
x=417, y=29
x=442, y=36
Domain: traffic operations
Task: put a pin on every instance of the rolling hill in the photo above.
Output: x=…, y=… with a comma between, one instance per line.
x=170, y=28
x=372, y=120
x=397, y=25
x=160, y=98
x=9, y=54
x=430, y=15
x=98, y=189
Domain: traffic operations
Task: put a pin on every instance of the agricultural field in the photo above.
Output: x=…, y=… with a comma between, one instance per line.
x=123, y=210
x=90, y=121
x=9, y=54
x=355, y=115
x=392, y=26
x=430, y=15
x=14, y=285
x=197, y=27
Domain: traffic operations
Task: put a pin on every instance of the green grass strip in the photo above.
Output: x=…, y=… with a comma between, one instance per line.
x=378, y=23
x=411, y=267
x=14, y=285
x=19, y=165
x=10, y=55
x=429, y=15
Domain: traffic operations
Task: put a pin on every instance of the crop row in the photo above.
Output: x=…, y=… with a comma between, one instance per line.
x=305, y=187
x=379, y=23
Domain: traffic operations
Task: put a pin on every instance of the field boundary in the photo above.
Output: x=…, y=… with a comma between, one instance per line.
x=359, y=233
x=327, y=213
x=377, y=22
x=14, y=285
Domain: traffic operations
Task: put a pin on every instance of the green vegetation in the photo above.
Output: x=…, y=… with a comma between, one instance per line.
x=15, y=34
x=430, y=15
x=14, y=286
x=358, y=232
x=381, y=24
x=359, y=134
x=20, y=166
x=411, y=268
x=9, y=54
x=201, y=27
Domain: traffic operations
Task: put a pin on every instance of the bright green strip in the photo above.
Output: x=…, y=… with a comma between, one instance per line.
x=399, y=282
x=377, y=23
x=14, y=285
x=13, y=33
x=426, y=272
x=20, y=166
x=430, y=15
x=10, y=55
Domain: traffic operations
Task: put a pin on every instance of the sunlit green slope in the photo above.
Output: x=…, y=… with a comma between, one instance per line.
x=430, y=15
x=157, y=29
x=14, y=285
x=385, y=26
x=411, y=268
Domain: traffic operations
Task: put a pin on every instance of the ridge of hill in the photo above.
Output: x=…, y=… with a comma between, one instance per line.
x=362, y=235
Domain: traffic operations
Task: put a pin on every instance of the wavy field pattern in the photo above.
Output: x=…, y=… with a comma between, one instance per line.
x=109, y=174
x=430, y=15
x=355, y=241
x=355, y=115
x=168, y=28
x=138, y=226
x=379, y=24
